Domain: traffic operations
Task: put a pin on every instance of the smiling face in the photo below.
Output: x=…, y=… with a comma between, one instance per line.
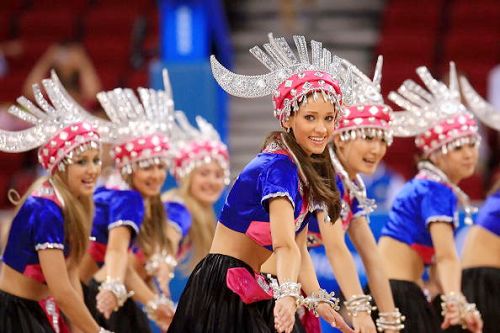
x=360, y=155
x=459, y=163
x=313, y=125
x=149, y=180
x=82, y=173
x=207, y=183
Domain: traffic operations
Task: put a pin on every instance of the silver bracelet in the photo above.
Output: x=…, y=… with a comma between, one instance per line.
x=292, y=289
x=103, y=330
x=157, y=259
x=153, y=305
x=118, y=289
x=390, y=321
x=358, y=304
x=312, y=301
x=464, y=308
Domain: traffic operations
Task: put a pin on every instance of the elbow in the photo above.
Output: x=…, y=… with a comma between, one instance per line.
x=63, y=294
x=288, y=247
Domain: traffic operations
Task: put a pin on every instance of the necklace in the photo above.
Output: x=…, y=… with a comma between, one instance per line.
x=356, y=188
x=430, y=171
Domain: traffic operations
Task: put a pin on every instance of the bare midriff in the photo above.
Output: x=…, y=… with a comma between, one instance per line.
x=15, y=283
x=481, y=249
x=239, y=246
x=401, y=262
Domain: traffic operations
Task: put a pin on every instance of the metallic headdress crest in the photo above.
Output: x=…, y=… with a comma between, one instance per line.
x=59, y=126
x=425, y=108
x=482, y=109
x=365, y=90
x=283, y=63
x=196, y=146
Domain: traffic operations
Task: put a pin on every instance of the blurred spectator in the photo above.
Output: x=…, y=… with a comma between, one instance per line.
x=12, y=48
x=74, y=68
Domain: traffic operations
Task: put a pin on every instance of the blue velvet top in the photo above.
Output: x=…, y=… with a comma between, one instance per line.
x=38, y=225
x=420, y=202
x=178, y=216
x=270, y=174
x=114, y=208
x=489, y=215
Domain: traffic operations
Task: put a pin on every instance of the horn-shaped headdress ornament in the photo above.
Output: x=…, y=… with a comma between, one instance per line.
x=291, y=76
x=482, y=109
x=197, y=146
x=60, y=126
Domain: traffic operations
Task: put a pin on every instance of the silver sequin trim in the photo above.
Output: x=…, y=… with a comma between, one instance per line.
x=276, y=195
x=44, y=246
x=120, y=223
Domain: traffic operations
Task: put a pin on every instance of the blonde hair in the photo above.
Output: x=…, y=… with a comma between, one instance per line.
x=77, y=213
x=202, y=229
x=152, y=237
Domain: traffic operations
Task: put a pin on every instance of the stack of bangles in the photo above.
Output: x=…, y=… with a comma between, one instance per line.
x=153, y=305
x=458, y=300
x=390, y=321
x=118, y=289
x=157, y=259
x=311, y=302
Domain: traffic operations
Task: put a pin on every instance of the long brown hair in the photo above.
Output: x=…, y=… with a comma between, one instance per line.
x=203, y=222
x=152, y=237
x=318, y=171
x=77, y=212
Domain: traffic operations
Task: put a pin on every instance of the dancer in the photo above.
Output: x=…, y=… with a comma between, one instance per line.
x=481, y=252
x=268, y=207
x=201, y=167
x=50, y=231
x=129, y=210
x=422, y=219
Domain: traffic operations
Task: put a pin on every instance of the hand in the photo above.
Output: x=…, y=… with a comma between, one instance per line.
x=163, y=316
x=452, y=316
x=106, y=303
x=363, y=323
x=284, y=314
x=474, y=322
x=333, y=317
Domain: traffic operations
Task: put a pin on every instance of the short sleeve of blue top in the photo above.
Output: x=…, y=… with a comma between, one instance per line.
x=489, y=215
x=38, y=225
x=114, y=208
x=267, y=176
x=420, y=202
x=178, y=216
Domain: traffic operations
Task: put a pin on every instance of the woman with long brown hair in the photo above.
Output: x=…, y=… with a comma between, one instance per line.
x=268, y=207
x=201, y=167
x=130, y=215
x=50, y=231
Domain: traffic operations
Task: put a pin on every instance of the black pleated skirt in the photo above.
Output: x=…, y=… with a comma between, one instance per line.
x=207, y=305
x=21, y=315
x=481, y=285
x=129, y=317
x=412, y=303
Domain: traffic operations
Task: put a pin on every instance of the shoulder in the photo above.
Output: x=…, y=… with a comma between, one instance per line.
x=115, y=196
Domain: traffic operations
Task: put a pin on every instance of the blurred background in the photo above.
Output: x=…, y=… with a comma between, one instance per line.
x=98, y=45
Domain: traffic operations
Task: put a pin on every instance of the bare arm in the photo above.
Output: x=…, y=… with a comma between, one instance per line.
x=116, y=257
x=66, y=296
x=365, y=244
x=447, y=261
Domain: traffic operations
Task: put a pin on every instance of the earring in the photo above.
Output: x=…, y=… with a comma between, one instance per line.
x=288, y=129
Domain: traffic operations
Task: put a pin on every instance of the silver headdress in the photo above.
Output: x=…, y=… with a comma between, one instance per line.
x=140, y=126
x=197, y=146
x=365, y=90
x=282, y=62
x=482, y=109
x=59, y=126
x=424, y=108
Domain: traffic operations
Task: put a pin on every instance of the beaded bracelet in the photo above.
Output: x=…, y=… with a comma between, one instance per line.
x=321, y=296
x=286, y=289
x=157, y=259
x=390, y=321
x=359, y=303
x=154, y=304
x=103, y=330
x=464, y=308
x=118, y=289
